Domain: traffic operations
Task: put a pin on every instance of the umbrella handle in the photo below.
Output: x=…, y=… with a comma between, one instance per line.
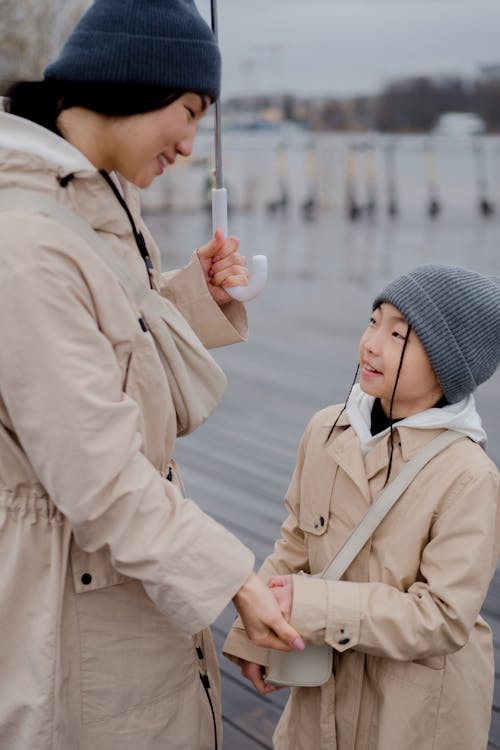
x=258, y=276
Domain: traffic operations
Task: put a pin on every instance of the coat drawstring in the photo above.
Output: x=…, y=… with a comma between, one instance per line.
x=138, y=236
x=205, y=681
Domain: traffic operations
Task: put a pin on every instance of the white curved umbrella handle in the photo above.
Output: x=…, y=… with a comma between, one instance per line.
x=258, y=274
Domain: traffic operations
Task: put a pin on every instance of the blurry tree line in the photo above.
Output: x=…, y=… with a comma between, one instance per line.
x=406, y=105
x=417, y=103
x=413, y=105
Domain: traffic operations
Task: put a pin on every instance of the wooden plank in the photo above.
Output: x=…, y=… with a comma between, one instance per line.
x=257, y=718
x=496, y=695
x=234, y=738
x=494, y=735
x=492, y=617
x=491, y=613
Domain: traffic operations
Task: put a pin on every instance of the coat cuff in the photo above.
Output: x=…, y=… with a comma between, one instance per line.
x=326, y=611
x=238, y=647
x=215, y=326
x=344, y=614
x=309, y=608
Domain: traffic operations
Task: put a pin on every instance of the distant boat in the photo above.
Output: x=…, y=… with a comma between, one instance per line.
x=459, y=124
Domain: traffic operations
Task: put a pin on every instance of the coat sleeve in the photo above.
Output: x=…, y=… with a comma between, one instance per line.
x=62, y=389
x=436, y=614
x=289, y=556
x=215, y=326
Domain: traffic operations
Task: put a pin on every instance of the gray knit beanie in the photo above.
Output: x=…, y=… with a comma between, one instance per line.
x=157, y=42
x=455, y=313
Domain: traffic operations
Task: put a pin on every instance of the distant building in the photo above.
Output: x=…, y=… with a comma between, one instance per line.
x=459, y=124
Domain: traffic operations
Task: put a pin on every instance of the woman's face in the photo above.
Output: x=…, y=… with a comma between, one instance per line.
x=141, y=146
x=380, y=352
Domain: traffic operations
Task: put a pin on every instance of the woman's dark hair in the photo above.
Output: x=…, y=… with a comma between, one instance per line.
x=43, y=101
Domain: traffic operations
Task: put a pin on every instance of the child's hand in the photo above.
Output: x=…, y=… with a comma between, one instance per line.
x=222, y=265
x=282, y=588
x=255, y=673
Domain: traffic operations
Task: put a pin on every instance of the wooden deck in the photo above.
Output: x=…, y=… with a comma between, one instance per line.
x=301, y=356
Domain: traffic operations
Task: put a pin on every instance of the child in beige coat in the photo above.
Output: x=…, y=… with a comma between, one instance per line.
x=413, y=663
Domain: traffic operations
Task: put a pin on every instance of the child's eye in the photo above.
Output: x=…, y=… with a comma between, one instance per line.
x=372, y=321
x=398, y=335
x=191, y=113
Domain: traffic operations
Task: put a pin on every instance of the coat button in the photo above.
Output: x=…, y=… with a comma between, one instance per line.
x=319, y=523
x=86, y=579
x=344, y=641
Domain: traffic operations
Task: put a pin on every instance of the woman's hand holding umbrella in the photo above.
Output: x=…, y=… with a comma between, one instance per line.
x=222, y=265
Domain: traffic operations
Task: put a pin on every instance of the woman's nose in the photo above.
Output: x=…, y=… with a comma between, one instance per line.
x=185, y=146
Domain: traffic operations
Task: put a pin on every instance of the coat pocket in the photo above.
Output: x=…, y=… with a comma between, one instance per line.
x=316, y=493
x=92, y=570
x=127, y=661
x=407, y=702
x=315, y=514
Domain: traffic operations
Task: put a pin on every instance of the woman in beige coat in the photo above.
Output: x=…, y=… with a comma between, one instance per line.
x=110, y=575
x=412, y=658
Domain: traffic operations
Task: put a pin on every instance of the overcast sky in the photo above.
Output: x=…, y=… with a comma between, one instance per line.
x=350, y=46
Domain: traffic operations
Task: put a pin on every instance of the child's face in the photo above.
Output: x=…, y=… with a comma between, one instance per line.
x=380, y=352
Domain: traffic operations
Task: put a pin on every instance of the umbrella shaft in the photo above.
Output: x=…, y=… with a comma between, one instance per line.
x=218, y=148
x=218, y=138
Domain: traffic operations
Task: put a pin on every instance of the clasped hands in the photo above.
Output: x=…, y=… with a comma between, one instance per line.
x=222, y=265
x=265, y=611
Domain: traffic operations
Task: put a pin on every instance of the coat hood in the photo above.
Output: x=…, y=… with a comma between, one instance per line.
x=462, y=417
x=33, y=157
x=18, y=134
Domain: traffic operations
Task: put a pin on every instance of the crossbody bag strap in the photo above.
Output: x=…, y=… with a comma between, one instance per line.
x=12, y=198
x=382, y=505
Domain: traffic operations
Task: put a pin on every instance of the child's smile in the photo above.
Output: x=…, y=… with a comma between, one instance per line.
x=368, y=371
x=381, y=348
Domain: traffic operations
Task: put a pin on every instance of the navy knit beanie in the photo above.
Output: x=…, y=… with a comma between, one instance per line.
x=455, y=313
x=156, y=42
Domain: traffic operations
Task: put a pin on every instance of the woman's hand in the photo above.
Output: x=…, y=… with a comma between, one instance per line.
x=255, y=673
x=282, y=588
x=263, y=621
x=222, y=265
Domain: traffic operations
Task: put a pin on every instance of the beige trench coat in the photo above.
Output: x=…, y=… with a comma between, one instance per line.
x=413, y=660
x=108, y=573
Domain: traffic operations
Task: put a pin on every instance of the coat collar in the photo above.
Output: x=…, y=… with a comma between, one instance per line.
x=345, y=448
